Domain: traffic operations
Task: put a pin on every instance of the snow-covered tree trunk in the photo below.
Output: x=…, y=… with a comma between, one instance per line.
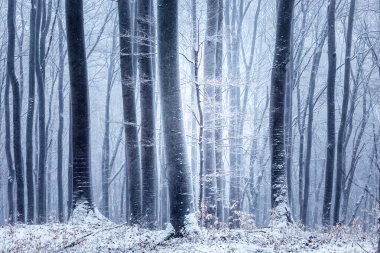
x=279, y=194
x=180, y=193
x=208, y=178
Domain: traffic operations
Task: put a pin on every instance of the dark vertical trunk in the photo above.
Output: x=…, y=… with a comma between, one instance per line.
x=179, y=181
x=330, y=115
x=18, y=163
x=61, y=119
x=41, y=184
x=148, y=155
x=219, y=116
x=79, y=105
x=208, y=178
x=70, y=168
x=310, y=101
x=278, y=172
x=30, y=116
x=129, y=107
x=8, y=153
x=342, y=127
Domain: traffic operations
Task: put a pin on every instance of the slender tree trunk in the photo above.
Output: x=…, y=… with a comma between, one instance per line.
x=80, y=106
x=129, y=107
x=180, y=195
x=278, y=172
x=330, y=115
x=8, y=153
x=219, y=117
x=18, y=163
x=106, y=168
x=30, y=117
x=41, y=185
x=342, y=128
x=61, y=118
x=310, y=101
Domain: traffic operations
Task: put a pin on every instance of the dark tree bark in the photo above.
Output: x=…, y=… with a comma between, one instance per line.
x=148, y=155
x=61, y=118
x=8, y=154
x=180, y=195
x=80, y=105
x=17, y=152
x=129, y=107
x=40, y=53
x=220, y=181
x=208, y=178
x=277, y=101
x=30, y=116
x=309, y=142
x=342, y=128
x=330, y=115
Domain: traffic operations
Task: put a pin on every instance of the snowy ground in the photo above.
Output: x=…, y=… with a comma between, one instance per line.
x=109, y=237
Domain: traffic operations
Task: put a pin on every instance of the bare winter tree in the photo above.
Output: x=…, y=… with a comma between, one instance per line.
x=330, y=114
x=281, y=58
x=17, y=152
x=180, y=195
x=80, y=120
x=132, y=154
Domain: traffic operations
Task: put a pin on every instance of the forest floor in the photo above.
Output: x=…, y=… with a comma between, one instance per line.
x=110, y=237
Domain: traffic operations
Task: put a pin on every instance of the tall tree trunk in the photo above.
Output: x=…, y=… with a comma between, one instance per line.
x=330, y=115
x=61, y=118
x=219, y=117
x=309, y=142
x=8, y=153
x=148, y=146
x=278, y=172
x=30, y=117
x=132, y=154
x=18, y=163
x=342, y=128
x=40, y=53
x=80, y=106
x=179, y=181
x=208, y=178
x=106, y=167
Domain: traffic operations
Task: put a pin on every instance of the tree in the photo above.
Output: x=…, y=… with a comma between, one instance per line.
x=330, y=114
x=30, y=117
x=209, y=110
x=80, y=119
x=132, y=154
x=148, y=145
x=180, y=195
x=17, y=152
x=342, y=127
x=61, y=118
x=277, y=111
